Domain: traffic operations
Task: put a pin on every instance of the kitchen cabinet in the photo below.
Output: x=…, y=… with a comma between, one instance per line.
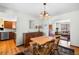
x=12, y=35
x=9, y=24
x=7, y=35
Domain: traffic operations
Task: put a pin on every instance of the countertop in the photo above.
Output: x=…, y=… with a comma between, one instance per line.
x=8, y=30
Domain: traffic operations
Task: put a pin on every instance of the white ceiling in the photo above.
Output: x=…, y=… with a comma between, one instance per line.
x=34, y=9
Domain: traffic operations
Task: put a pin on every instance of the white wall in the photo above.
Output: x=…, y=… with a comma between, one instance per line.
x=46, y=22
x=21, y=27
x=74, y=28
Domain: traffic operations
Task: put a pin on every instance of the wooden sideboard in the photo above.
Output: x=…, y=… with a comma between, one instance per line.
x=27, y=36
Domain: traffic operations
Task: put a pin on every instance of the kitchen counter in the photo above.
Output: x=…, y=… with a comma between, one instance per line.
x=8, y=30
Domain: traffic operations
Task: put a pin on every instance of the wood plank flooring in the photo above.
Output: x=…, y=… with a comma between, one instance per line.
x=76, y=49
x=8, y=47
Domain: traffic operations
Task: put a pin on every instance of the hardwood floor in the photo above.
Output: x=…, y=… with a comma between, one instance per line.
x=8, y=47
x=76, y=49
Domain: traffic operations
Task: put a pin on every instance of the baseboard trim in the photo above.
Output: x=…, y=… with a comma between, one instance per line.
x=74, y=46
x=20, y=45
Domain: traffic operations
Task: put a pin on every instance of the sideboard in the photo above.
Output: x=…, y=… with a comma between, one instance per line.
x=27, y=36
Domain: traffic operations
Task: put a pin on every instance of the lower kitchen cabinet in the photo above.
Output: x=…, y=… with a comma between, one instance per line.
x=12, y=35
x=7, y=35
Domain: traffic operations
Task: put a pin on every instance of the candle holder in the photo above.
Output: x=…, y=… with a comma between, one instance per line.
x=38, y=27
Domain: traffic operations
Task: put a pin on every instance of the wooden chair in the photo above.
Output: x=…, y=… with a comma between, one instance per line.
x=57, y=40
x=43, y=49
x=35, y=49
x=48, y=48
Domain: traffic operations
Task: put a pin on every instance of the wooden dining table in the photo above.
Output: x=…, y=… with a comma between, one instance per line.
x=42, y=39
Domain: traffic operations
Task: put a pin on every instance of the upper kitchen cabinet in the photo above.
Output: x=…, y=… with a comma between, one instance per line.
x=9, y=24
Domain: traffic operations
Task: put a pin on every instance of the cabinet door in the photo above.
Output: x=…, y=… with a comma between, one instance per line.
x=8, y=24
x=12, y=35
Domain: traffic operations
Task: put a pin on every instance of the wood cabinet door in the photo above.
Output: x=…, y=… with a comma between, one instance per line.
x=12, y=35
x=8, y=24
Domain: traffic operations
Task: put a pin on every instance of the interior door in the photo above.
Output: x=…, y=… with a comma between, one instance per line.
x=50, y=27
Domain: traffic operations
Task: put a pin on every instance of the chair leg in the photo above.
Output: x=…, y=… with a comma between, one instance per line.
x=52, y=52
x=57, y=52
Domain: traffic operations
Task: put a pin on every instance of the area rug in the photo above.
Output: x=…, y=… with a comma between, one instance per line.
x=65, y=51
x=62, y=51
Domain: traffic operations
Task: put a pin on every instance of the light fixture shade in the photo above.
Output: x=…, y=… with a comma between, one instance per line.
x=44, y=13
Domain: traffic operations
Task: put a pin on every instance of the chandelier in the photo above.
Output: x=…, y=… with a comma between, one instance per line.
x=44, y=13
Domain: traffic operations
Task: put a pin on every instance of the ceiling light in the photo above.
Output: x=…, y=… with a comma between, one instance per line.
x=44, y=13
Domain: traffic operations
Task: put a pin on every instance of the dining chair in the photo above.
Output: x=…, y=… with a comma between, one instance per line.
x=56, y=45
x=44, y=49
x=35, y=49
x=48, y=47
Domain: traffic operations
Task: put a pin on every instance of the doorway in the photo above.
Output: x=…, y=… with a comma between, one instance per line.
x=8, y=36
x=50, y=28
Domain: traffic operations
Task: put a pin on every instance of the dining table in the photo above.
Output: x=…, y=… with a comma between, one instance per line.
x=42, y=39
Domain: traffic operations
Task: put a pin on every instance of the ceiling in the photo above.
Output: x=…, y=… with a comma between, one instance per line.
x=34, y=9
